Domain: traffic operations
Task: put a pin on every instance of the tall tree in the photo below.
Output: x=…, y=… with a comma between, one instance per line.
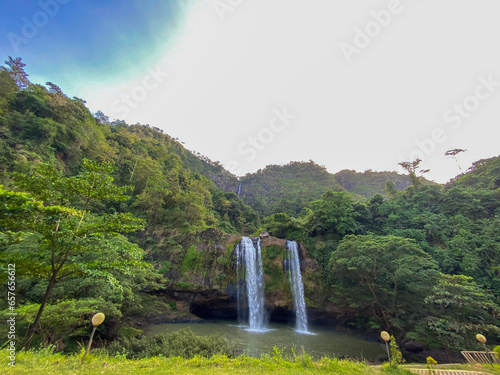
x=50, y=232
x=459, y=310
x=411, y=168
x=454, y=153
x=388, y=276
x=16, y=71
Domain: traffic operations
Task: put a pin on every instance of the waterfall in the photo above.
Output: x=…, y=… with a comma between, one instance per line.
x=293, y=266
x=249, y=267
x=239, y=190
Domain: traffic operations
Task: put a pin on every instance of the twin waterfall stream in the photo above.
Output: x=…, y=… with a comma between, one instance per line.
x=254, y=334
x=250, y=296
x=250, y=280
x=292, y=265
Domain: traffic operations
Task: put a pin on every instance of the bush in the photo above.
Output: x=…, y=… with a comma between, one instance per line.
x=182, y=343
x=61, y=322
x=190, y=260
x=396, y=355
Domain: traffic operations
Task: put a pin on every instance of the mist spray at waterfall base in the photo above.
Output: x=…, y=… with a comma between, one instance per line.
x=250, y=295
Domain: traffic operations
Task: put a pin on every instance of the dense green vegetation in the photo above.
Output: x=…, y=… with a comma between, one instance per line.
x=422, y=263
x=288, y=188
x=100, y=215
x=87, y=206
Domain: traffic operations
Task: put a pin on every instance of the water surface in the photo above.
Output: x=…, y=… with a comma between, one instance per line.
x=324, y=342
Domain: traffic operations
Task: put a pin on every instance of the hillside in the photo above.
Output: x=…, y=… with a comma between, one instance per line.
x=369, y=183
x=99, y=214
x=169, y=190
x=286, y=188
x=289, y=188
x=484, y=174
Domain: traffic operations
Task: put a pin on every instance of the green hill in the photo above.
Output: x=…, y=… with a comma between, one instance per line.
x=289, y=188
x=484, y=174
x=172, y=187
x=370, y=183
x=286, y=188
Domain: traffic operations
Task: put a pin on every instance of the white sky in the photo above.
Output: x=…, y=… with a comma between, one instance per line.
x=229, y=73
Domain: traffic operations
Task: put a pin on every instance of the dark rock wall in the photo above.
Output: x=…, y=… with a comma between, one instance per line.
x=208, y=289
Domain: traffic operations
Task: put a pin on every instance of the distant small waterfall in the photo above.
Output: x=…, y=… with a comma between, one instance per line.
x=239, y=190
x=249, y=267
x=293, y=266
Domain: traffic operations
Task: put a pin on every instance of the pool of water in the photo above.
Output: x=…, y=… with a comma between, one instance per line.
x=322, y=341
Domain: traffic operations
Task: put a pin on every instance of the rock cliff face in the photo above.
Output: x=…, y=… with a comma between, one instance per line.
x=204, y=284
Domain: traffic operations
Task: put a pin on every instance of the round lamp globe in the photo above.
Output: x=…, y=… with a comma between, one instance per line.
x=98, y=319
x=385, y=336
x=481, y=339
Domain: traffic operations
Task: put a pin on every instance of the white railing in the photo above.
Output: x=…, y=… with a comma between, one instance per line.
x=480, y=357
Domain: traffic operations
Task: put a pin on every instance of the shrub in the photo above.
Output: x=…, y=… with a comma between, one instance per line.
x=190, y=260
x=182, y=343
x=497, y=351
x=396, y=355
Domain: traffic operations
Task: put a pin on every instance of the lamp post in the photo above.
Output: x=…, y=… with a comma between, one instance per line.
x=386, y=337
x=97, y=319
x=482, y=340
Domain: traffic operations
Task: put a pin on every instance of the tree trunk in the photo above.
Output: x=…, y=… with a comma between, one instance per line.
x=52, y=282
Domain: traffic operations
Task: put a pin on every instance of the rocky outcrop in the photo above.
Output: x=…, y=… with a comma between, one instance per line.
x=204, y=285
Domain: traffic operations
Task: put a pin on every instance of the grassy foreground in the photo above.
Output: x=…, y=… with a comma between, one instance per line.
x=43, y=362
x=47, y=363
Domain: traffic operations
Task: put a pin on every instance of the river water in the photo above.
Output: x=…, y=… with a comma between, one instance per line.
x=324, y=342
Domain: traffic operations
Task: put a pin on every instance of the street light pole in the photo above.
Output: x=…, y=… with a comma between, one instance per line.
x=386, y=337
x=482, y=340
x=97, y=319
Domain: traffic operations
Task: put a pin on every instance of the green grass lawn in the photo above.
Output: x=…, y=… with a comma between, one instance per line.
x=43, y=362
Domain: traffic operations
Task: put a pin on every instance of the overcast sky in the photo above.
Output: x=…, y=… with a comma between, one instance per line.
x=350, y=84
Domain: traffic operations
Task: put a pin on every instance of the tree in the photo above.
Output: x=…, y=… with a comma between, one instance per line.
x=411, y=168
x=459, y=310
x=334, y=214
x=50, y=232
x=390, y=189
x=54, y=89
x=16, y=71
x=388, y=276
x=454, y=153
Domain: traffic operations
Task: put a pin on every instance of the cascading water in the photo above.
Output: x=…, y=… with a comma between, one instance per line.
x=249, y=267
x=293, y=266
x=239, y=190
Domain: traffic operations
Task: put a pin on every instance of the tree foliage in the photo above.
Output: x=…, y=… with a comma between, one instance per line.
x=58, y=238
x=386, y=275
